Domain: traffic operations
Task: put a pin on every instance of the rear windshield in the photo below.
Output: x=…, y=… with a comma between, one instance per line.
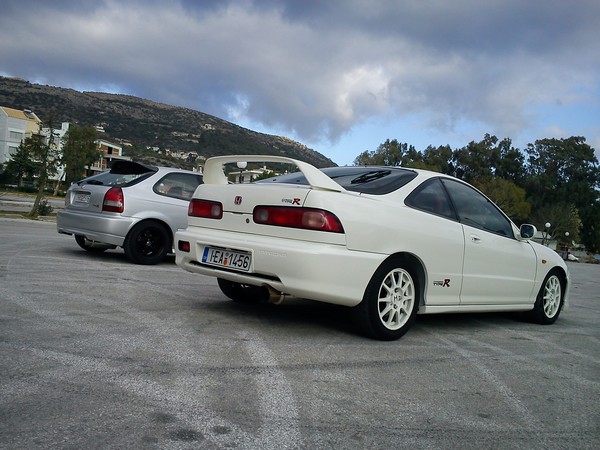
x=121, y=175
x=365, y=179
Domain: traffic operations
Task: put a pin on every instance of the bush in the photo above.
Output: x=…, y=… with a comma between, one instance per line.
x=44, y=208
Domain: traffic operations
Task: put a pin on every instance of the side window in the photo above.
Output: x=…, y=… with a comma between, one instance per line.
x=178, y=185
x=431, y=197
x=475, y=210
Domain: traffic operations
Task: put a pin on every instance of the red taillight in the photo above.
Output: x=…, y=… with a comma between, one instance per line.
x=114, y=200
x=307, y=218
x=184, y=246
x=205, y=208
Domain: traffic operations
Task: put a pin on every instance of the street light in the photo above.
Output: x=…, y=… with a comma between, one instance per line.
x=547, y=226
x=242, y=165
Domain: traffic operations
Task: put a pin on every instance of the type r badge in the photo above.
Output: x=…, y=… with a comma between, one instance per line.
x=237, y=200
x=444, y=283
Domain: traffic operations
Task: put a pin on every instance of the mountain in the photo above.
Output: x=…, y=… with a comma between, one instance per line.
x=143, y=124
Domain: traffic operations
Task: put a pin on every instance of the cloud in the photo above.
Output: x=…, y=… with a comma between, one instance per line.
x=317, y=69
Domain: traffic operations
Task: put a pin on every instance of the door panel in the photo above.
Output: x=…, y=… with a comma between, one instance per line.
x=496, y=269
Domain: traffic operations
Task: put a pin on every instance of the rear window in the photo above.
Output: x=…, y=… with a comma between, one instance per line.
x=365, y=179
x=126, y=173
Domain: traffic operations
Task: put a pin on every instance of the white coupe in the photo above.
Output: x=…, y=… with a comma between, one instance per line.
x=390, y=242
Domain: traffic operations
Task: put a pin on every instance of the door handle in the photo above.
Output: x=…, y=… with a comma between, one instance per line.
x=475, y=238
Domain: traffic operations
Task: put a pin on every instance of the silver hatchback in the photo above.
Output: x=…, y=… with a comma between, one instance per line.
x=134, y=206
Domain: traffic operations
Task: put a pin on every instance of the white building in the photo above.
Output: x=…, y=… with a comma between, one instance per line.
x=15, y=126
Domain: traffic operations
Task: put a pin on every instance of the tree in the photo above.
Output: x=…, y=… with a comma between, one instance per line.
x=489, y=157
x=363, y=159
x=438, y=159
x=44, y=152
x=563, y=218
x=566, y=171
x=477, y=160
x=590, y=232
x=20, y=164
x=510, y=162
x=390, y=153
x=79, y=150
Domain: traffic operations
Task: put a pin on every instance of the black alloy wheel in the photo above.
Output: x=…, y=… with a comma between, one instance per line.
x=148, y=243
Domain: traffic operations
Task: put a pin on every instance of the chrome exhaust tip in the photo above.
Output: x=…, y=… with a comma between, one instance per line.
x=275, y=296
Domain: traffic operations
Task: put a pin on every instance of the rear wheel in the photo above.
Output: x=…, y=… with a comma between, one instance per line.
x=89, y=245
x=390, y=303
x=245, y=293
x=549, y=301
x=148, y=243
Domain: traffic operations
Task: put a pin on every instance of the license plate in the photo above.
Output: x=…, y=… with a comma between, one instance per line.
x=230, y=259
x=82, y=197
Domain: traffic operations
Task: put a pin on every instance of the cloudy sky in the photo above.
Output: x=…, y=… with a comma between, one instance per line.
x=340, y=76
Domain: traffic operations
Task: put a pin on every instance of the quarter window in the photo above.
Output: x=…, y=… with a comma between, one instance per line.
x=178, y=185
x=431, y=197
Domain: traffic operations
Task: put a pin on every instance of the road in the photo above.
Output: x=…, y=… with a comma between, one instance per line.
x=100, y=353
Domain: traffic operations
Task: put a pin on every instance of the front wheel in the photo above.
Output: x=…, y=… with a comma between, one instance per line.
x=549, y=301
x=148, y=243
x=243, y=293
x=390, y=302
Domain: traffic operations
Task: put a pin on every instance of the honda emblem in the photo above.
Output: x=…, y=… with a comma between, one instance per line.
x=238, y=200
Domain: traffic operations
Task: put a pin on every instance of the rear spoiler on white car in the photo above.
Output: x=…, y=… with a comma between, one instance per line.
x=214, y=172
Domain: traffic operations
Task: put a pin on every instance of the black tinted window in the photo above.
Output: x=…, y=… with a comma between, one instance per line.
x=431, y=197
x=475, y=210
x=365, y=179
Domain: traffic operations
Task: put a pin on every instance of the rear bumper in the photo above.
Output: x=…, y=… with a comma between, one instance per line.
x=99, y=228
x=318, y=271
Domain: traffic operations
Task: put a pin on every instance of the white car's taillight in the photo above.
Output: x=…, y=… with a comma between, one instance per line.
x=205, y=208
x=306, y=218
x=114, y=200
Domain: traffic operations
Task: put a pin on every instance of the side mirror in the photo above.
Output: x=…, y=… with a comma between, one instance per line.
x=527, y=231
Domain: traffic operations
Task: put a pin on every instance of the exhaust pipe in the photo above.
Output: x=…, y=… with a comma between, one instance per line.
x=275, y=296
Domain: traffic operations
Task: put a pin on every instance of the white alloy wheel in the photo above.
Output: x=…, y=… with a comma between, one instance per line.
x=552, y=296
x=549, y=300
x=389, y=306
x=396, y=299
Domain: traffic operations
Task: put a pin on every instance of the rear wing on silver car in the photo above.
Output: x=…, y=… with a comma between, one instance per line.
x=214, y=171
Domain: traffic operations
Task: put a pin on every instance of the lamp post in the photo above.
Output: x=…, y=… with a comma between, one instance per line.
x=547, y=226
x=241, y=165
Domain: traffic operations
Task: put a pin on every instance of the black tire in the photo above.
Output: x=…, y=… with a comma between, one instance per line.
x=88, y=247
x=148, y=243
x=243, y=293
x=550, y=298
x=390, y=303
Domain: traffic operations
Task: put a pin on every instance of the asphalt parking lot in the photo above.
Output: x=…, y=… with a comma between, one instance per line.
x=100, y=353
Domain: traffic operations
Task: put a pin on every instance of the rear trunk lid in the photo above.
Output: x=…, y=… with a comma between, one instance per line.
x=240, y=200
x=87, y=197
